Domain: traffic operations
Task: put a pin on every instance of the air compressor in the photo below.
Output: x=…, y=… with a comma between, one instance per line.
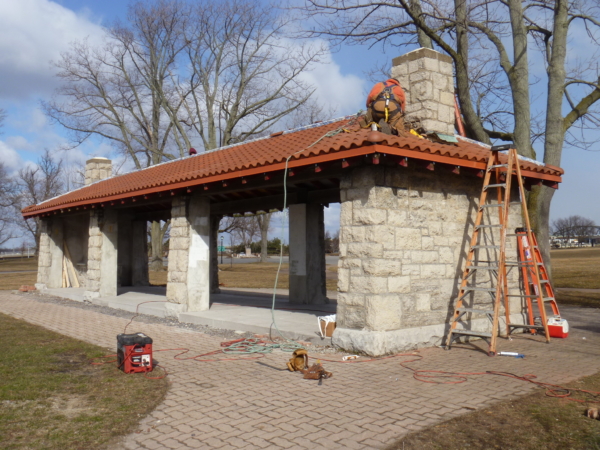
x=134, y=352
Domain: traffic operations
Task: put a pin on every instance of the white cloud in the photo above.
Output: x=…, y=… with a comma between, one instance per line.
x=32, y=33
x=343, y=92
x=9, y=157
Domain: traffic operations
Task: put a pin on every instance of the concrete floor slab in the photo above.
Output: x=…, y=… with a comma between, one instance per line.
x=233, y=309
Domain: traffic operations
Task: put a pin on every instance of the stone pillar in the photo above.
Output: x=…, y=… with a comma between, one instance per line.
x=56, y=253
x=307, y=254
x=188, y=281
x=427, y=78
x=404, y=237
x=139, y=254
x=198, y=281
x=102, y=254
x=215, y=221
x=96, y=169
x=125, y=236
x=44, y=255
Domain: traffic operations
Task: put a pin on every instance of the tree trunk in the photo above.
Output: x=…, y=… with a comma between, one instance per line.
x=539, y=208
x=263, y=221
x=473, y=125
x=156, y=241
x=423, y=39
x=519, y=81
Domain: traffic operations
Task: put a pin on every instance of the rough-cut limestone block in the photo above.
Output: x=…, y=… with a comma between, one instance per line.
x=177, y=277
x=177, y=292
x=426, y=240
x=180, y=260
x=364, y=250
x=447, y=255
x=445, y=113
x=93, y=285
x=382, y=197
x=411, y=269
x=398, y=218
x=424, y=257
x=353, y=234
x=446, y=68
x=348, y=263
x=351, y=299
x=351, y=316
x=381, y=267
x=447, y=98
x=381, y=233
x=95, y=241
x=368, y=285
x=178, y=232
x=45, y=259
x=343, y=250
x=343, y=279
x=345, y=214
x=397, y=71
x=418, y=76
x=433, y=270
x=383, y=312
x=94, y=253
x=399, y=284
x=181, y=243
x=361, y=194
x=408, y=238
x=369, y=216
x=93, y=264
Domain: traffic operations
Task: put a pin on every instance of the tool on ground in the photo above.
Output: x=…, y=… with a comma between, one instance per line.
x=527, y=250
x=298, y=361
x=486, y=265
x=134, y=353
x=515, y=354
x=316, y=372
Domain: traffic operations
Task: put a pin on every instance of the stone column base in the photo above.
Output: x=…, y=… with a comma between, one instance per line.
x=41, y=286
x=90, y=295
x=174, y=309
x=379, y=343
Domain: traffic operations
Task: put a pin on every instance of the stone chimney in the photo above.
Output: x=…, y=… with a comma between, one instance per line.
x=96, y=169
x=426, y=77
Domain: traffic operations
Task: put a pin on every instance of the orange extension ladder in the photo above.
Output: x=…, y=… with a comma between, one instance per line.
x=531, y=281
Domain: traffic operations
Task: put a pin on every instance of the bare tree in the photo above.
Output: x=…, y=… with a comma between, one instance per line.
x=37, y=184
x=8, y=198
x=246, y=230
x=264, y=222
x=574, y=227
x=489, y=41
x=2, y=117
x=245, y=72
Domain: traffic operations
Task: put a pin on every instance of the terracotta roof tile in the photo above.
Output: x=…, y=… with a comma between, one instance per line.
x=267, y=154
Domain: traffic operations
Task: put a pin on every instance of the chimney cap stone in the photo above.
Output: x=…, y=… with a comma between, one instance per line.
x=98, y=158
x=421, y=53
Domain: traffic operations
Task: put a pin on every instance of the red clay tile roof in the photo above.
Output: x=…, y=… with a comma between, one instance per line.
x=331, y=141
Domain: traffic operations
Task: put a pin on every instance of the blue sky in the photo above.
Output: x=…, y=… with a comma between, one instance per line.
x=34, y=32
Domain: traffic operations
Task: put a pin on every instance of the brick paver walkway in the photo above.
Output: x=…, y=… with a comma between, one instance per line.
x=259, y=404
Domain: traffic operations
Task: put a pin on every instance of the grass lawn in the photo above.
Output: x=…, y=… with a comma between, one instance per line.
x=577, y=268
x=51, y=397
x=248, y=275
x=16, y=280
x=533, y=422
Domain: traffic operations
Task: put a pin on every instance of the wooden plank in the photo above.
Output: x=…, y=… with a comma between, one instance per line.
x=70, y=267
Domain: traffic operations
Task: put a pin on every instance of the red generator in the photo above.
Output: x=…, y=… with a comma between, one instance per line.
x=134, y=352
